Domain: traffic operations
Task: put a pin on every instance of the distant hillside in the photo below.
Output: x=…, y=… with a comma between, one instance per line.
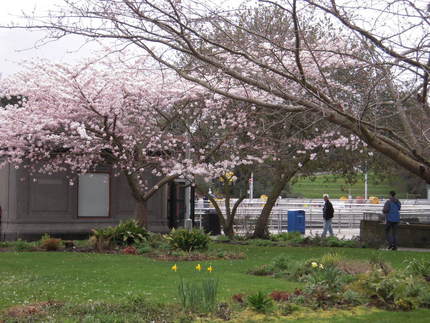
x=337, y=187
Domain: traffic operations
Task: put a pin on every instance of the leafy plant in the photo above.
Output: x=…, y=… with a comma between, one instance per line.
x=288, y=308
x=260, y=303
x=198, y=295
x=142, y=247
x=330, y=277
x=102, y=238
x=286, y=236
x=128, y=232
x=419, y=267
x=21, y=245
x=352, y=297
x=188, y=240
x=377, y=261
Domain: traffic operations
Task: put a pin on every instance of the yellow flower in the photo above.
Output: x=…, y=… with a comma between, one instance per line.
x=314, y=264
x=210, y=269
x=321, y=266
x=174, y=268
x=198, y=267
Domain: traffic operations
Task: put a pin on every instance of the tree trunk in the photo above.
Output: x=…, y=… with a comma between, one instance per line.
x=261, y=230
x=141, y=213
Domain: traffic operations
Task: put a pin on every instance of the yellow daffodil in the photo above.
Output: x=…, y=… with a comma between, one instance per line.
x=174, y=268
x=198, y=267
x=321, y=266
x=314, y=264
x=210, y=269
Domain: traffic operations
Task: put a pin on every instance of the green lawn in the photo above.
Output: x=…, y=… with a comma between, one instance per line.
x=31, y=277
x=337, y=187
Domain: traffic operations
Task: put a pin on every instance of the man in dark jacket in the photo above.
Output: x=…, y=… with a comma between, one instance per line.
x=391, y=211
x=328, y=212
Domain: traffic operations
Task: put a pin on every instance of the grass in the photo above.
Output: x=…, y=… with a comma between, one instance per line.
x=337, y=187
x=31, y=277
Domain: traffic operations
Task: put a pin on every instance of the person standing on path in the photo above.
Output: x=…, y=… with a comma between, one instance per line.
x=328, y=212
x=391, y=211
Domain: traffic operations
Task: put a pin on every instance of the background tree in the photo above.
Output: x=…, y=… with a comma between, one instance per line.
x=293, y=69
x=143, y=122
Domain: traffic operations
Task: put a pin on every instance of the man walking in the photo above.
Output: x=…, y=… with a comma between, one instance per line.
x=328, y=212
x=391, y=211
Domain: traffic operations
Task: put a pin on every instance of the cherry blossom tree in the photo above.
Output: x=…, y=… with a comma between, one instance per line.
x=288, y=58
x=122, y=112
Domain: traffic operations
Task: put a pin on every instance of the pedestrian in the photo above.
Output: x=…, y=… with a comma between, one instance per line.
x=391, y=211
x=328, y=212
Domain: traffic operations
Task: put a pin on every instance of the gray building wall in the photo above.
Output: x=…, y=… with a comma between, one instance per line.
x=36, y=204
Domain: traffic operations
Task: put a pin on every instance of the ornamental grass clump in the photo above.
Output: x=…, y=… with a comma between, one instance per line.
x=419, y=268
x=198, y=295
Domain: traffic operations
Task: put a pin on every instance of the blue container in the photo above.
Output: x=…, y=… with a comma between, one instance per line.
x=296, y=221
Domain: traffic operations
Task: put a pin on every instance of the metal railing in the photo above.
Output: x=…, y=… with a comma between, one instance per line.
x=346, y=221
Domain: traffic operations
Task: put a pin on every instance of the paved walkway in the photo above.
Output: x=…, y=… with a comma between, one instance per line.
x=408, y=249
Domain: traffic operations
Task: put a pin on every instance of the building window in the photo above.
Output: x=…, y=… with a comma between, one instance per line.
x=93, y=196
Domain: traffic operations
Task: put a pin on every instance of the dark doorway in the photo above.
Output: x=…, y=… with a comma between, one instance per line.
x=176, y=204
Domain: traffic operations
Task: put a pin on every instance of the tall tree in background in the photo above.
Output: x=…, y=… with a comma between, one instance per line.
x=292, y=70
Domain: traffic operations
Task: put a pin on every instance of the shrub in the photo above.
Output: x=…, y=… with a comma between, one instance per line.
x=198, y=295
x=188, y=240
x=50, y=244
x=128, y=232
x=260, y=303
x=281, y=262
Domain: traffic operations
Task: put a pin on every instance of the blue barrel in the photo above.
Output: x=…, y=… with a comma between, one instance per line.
x=296, y=221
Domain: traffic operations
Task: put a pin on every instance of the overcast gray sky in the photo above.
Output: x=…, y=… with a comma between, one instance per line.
x=19, y=45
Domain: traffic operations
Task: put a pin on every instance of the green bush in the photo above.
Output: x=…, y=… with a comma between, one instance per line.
x=128, y=232
x=188, y=240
